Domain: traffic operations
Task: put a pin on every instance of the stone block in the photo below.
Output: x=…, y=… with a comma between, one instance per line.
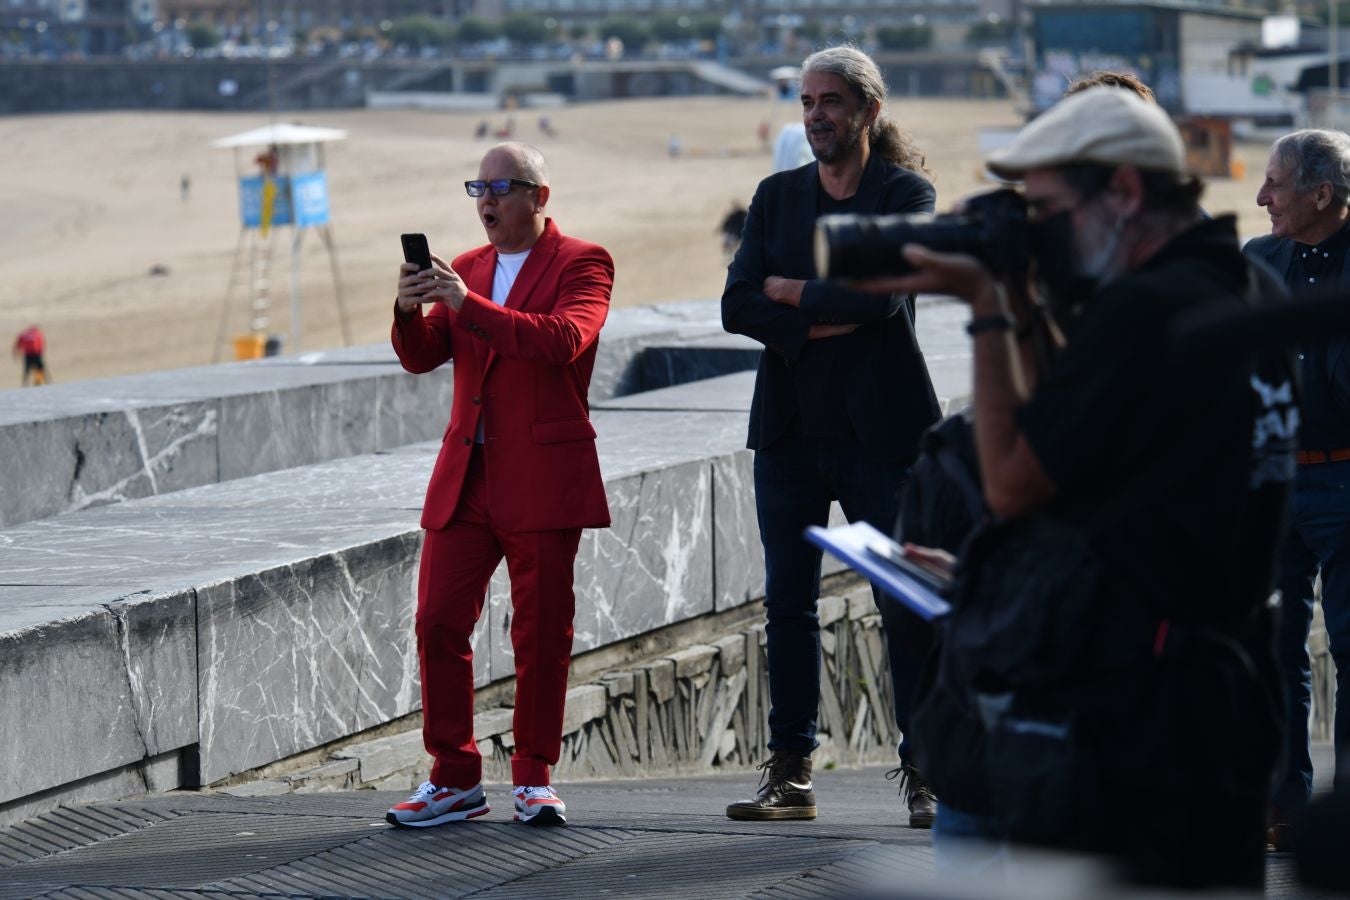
x=159, y=646
x=494, y=722
x=281, y=429
x=64, y=702
x=619, y=684
x=697, y=360
x=381, y=758
x=273, y=788
x=411, y=408
x=725, y=393
x=653, y=566
x=831, y=609
x=585, y=703
x=337, y=775
x=76, y=462
x=89, y=691
x=661, y=679
x=692, y=661
x=830, y=564
x=860, y=603
x=293, y=657
x=731, y=650
x=738, y=555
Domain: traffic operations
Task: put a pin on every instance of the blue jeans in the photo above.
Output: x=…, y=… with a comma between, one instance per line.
x=795, y=480
x=1319, y=539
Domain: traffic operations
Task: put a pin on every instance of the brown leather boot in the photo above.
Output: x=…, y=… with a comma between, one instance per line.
x=919, y=797
x=785, y=791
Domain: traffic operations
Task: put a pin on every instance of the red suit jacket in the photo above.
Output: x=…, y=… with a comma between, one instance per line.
x=524, y=369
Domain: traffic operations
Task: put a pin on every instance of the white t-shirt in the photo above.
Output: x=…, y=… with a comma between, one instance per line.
x=508, y=267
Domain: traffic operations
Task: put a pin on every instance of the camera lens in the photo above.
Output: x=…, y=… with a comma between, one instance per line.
x=850, y=246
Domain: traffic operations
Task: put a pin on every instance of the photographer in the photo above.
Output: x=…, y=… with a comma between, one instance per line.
x=1136, y=493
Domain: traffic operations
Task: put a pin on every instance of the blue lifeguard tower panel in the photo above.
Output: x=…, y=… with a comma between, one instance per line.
x=283, y=183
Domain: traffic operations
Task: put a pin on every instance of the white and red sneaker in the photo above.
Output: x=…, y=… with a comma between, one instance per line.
x=430, y=805
x=539, y=806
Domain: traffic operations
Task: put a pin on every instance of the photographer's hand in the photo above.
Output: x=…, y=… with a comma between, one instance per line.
x=787, y=291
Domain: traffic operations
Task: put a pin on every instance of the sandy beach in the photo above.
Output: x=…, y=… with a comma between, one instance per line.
x=92, y=208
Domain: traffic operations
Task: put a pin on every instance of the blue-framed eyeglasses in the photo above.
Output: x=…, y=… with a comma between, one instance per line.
x=500, y=187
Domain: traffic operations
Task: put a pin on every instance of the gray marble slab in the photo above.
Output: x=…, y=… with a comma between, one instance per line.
x=630, y=331
x=698, y=359
x=725, y=393
x=940, y=323
x=293, y=657
x=632, y=442
x=738, y=555
x=653, y=566
x=96, y=690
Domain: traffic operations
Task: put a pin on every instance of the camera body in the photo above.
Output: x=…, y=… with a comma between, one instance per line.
x=992, y=227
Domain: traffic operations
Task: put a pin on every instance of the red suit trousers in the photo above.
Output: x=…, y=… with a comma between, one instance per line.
x=457, y=564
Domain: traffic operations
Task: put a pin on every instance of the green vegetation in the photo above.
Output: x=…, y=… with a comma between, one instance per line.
x=629, y=31
x=202, y=36
x=525, y=29
x=473, y=30
x=905, y=37
x=990, y=31
x=418, y=32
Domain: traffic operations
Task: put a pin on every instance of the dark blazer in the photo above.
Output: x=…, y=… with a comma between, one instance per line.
x=877, y=372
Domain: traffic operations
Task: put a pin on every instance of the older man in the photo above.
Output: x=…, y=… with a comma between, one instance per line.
x=517, y=475
x=1151, y=459
x=841, y=397
x=1307, y=192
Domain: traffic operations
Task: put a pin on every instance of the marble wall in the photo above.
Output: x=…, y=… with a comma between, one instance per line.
x=215, y=569
x=93, y=443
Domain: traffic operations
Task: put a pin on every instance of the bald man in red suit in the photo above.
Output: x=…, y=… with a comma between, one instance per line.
x=517, y=476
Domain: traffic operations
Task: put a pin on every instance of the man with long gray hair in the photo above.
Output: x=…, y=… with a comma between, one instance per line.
x=1307, y=193
x=841, y=398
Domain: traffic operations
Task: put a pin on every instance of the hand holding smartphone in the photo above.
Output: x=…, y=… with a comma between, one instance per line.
x=415, y=250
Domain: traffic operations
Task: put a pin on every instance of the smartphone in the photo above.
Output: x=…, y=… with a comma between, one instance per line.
x=415, y=250
x=935, y=580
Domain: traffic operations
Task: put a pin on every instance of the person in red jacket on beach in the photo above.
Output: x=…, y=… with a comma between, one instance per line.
x=29, y=344
x=517, y=475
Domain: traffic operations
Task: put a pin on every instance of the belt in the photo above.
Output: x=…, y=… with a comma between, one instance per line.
x=1313, y=457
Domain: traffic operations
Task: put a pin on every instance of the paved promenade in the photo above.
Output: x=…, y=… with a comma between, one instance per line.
x=661, y=838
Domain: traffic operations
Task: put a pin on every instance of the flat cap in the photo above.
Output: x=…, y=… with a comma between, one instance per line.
x=1104, y=125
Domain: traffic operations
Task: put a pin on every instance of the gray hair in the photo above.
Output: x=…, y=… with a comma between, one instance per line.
x=862, y=75
x=1316, y=156
x=529, y=161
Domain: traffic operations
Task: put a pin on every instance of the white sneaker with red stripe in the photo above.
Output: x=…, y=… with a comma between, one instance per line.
x=539, y=806
x=430, y=805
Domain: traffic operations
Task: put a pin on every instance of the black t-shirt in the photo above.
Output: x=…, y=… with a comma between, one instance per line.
x=818, y=366
x=1202, y=454
x=1118, y=414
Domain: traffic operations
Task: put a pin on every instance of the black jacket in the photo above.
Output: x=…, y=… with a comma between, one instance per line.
x=877, y=373
x=1324, y=366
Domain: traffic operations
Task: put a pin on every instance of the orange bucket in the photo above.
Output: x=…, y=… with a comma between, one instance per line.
x=249, y=346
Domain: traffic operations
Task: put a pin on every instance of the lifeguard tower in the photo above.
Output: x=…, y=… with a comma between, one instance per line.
x=282, y=183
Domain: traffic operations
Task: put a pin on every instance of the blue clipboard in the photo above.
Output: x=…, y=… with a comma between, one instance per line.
x=850, y=543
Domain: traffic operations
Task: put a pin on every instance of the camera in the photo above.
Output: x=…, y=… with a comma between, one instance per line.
x=992, y=227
